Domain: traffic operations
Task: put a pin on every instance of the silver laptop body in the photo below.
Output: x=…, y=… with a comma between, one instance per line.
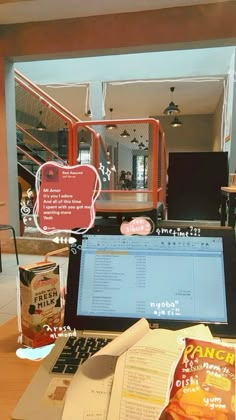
x=114, y=280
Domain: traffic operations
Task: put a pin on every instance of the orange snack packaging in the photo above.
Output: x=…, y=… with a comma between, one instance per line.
x=203, y=383
x=39, y=303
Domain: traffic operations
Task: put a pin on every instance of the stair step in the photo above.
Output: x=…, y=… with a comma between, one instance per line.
x=27, y=162
x=26, y=173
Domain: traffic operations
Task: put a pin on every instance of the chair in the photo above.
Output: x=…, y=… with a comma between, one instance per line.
x=9, y=227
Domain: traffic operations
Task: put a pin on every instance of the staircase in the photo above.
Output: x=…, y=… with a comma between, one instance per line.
x=46, y=131
x=28, y=160
x=43, y=130
x=43, y=133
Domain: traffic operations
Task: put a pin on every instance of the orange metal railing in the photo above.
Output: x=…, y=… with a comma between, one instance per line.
x=156, y=155
x=38, y=94
x=39, y=143
x=31, y=158
x=99, y=142
x=55, y=107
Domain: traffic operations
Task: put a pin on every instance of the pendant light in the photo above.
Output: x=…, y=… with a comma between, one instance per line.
x=172, y=108
x=125, y=134
x=40, y=126
x=82, y=140
x=111, y=126
x=146, y=148
x=134, y=141
x=176, y=122
x=141, y=145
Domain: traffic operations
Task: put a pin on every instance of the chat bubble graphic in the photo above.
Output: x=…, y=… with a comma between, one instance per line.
x=66, y=197
x=137, y=226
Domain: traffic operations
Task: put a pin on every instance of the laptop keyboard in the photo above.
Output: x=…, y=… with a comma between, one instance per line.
x=76, y=351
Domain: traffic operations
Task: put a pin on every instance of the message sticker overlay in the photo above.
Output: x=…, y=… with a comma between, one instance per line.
x=137, y=226
x=34, y=354
x=66, y=197
x=203, y=383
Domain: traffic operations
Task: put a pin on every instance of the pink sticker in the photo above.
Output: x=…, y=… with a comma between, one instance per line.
x=65, y=197
x=137, y=226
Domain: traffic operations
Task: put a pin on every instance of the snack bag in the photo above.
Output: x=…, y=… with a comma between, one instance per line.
x=40, y=303
x=203, y=385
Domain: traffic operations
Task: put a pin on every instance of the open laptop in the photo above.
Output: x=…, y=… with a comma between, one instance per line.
x=176, y=277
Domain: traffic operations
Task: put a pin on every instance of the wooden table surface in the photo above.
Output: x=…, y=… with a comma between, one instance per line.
x=15, y=373
x=124, y=206
x=229, y=189
x=125, y=202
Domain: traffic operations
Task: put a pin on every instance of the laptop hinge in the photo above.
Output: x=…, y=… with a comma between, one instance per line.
x=91, y=333
x=154, y=325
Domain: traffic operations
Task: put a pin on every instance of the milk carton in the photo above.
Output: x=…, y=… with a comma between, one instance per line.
x=40, y=303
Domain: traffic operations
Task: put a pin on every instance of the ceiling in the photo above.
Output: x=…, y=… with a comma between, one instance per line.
x=15, y=11
x=145, y=98
x=128, y=100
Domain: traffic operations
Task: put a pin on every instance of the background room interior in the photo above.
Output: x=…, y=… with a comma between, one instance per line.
x=138, y=86
x=144, y=33
x=132, y=86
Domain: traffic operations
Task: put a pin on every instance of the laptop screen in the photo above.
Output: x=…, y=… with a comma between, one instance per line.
x=168, y=280
x=152, y=276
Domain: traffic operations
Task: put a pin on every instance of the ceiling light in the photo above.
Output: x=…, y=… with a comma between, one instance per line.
x=134, y=141
x=88, y=113
x=125, y=134
x=108, y=158
x=111, y=126
x=141, y=145
x=40, y=125
x=176, y=122
x=82, y=140
x=172, y=108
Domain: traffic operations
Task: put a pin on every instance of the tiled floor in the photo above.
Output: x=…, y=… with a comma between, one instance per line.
x=8, y=303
